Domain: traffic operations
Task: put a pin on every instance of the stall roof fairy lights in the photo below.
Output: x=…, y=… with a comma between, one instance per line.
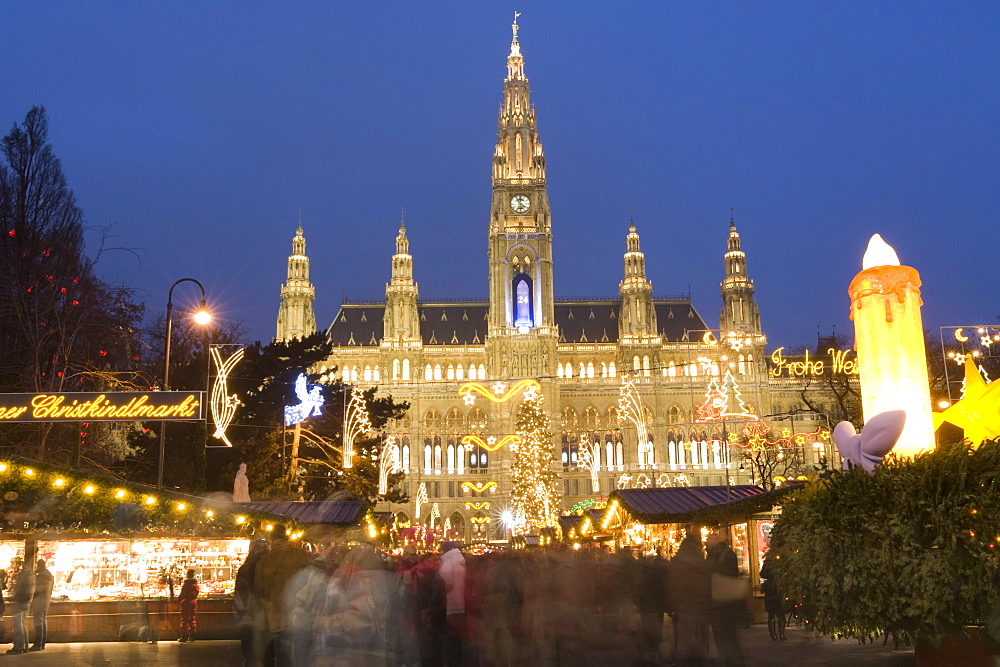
x=39, y=497
x=693, y=504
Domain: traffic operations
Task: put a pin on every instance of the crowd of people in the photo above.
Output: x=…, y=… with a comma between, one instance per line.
x=552, y=606
x=26, y=590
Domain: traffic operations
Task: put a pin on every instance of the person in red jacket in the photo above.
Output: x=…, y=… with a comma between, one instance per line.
x=189, y=607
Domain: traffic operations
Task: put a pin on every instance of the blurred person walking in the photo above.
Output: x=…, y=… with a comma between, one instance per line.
x=773, y=604
x=690, y=591
x=453, y=573
x=272, y=573
x=40, y=603
x=725, y=614
x=188, y=599
x=249, y=615
x=651, y=597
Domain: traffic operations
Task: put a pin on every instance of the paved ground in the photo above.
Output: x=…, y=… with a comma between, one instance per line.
x=799, y=649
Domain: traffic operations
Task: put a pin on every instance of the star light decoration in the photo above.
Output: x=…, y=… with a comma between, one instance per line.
x=978, y=413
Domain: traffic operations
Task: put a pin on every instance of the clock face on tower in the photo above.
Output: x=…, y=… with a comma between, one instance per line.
x=520, y=204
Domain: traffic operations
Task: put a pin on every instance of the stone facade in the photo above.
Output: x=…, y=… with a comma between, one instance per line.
x=579, y=350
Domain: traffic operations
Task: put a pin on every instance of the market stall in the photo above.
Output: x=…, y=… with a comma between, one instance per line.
x=657, y=519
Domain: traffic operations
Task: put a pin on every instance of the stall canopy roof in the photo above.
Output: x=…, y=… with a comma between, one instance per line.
x=689, y=503
x=318, y=511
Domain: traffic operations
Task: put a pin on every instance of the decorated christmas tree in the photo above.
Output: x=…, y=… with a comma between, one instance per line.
x=533, y=497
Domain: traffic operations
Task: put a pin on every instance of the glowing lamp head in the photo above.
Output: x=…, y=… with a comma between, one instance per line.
x=150, y=500
x=120, y=493
x=202, y=317
x=879, y=253
x=89, y=489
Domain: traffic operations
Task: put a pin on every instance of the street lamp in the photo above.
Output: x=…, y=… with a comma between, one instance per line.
x=201, y=316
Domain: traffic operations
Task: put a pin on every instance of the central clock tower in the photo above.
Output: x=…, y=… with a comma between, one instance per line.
x=522, y=330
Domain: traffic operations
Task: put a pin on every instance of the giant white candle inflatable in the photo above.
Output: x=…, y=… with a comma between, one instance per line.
x=889, y=337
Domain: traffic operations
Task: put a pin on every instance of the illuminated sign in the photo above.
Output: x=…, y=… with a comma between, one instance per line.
x=112, y=406
x=838, y=364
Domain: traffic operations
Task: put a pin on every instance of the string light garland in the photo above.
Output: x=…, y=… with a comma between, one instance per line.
x=81, y=504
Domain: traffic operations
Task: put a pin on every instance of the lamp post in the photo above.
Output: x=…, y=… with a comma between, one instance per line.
x=201, y=316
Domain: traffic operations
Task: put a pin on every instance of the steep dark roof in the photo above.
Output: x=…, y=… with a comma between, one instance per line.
x=464, y=323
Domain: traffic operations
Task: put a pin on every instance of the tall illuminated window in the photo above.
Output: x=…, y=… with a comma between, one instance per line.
x=524, y=315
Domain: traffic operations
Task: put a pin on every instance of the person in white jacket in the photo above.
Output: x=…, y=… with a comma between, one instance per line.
x=453, y=573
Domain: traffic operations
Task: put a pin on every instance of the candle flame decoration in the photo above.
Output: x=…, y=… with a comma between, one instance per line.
x=223, y=405
x=879, y=253
x=356, y=424
x=889, y=337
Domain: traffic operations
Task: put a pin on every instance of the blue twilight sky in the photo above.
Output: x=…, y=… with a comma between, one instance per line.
x=198, y=130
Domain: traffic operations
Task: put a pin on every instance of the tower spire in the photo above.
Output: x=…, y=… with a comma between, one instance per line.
x=638, y=315
x=296, y=317
x=400, y=322
x=739, y=308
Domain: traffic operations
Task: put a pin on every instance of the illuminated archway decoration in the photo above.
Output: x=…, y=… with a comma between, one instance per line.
x=356, y=424
x=978, y=413
x=590, y=460
x=478, y=487
x=491, y=443
x=387, y=464
x=630, y=407
x=223, y=405
x=421, y=498
x=499, y=393
x=485, y=505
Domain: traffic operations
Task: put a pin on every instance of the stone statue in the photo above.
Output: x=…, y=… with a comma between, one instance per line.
x=241, y=486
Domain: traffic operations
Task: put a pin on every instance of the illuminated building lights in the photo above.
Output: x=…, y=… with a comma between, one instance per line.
x=500, y=392
x=478, y=487
x=492, y=443
x=223, y=406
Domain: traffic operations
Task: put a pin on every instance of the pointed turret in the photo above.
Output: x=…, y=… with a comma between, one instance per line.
x=739, y=308
x=638, y=316
x=401, y=320
x=296, y=318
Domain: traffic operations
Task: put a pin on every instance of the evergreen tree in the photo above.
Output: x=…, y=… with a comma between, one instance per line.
x=533, y=497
